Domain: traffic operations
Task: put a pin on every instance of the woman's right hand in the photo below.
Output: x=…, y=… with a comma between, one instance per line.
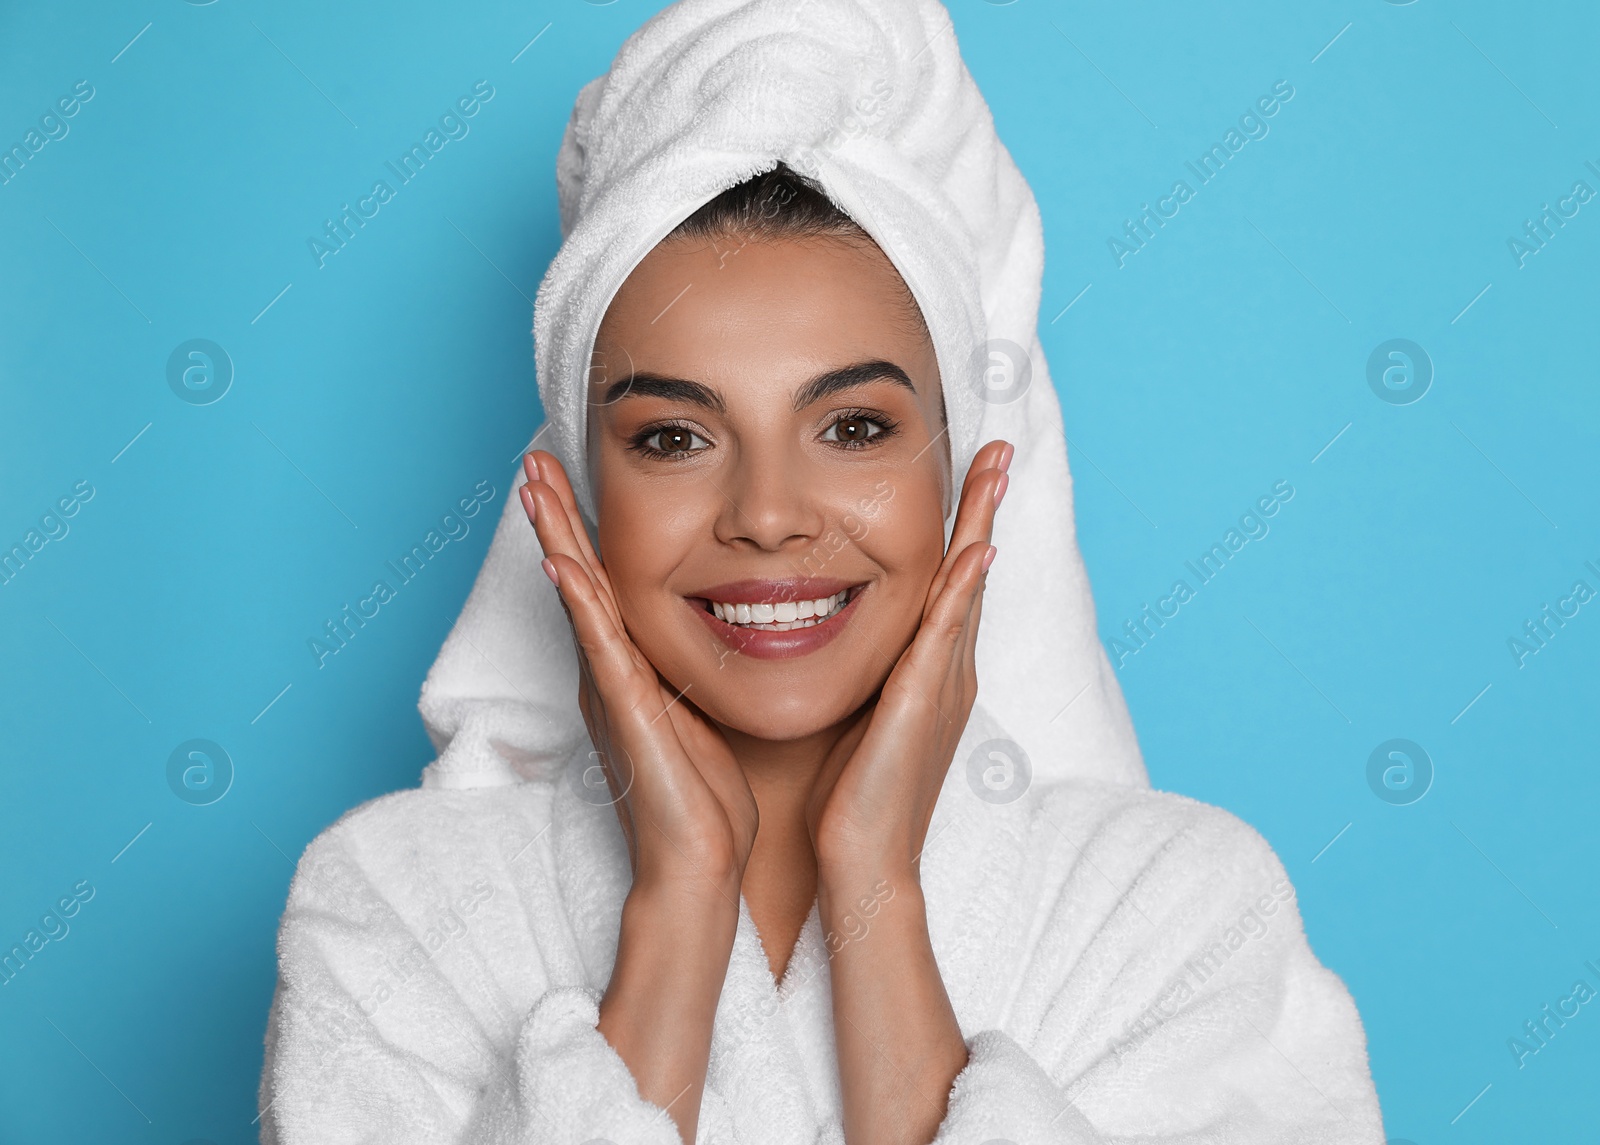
x=682, y=799
x=685, y=808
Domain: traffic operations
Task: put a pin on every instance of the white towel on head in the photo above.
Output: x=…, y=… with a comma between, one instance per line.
x=872, y=101
x=1125, y=965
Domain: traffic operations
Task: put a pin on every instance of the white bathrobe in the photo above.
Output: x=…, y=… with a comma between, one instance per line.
x=1126, y=965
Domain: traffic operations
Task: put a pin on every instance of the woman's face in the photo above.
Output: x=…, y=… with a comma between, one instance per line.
x=766, y=442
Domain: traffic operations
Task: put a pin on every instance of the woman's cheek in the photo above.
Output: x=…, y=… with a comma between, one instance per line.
x=642, y=536
x=651, y=531
x=917, y=516
x=904, y=535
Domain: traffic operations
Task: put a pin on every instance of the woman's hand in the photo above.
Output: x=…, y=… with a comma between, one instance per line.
x=684, y=805
x=899, y=1044
x=874, y=796
x=685, y=808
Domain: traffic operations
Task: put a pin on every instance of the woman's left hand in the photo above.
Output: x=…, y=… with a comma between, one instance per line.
x=874, y=797
x=899, y=1044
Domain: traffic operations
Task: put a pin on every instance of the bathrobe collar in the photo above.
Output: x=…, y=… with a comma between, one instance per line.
x=772, y=1045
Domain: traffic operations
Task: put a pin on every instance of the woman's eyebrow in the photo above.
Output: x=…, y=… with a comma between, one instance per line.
x=670, y=389
x=848, y=377
x=698, y=393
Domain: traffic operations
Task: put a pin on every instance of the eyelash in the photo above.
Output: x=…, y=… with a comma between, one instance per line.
x=640, y=441
x=887, y=427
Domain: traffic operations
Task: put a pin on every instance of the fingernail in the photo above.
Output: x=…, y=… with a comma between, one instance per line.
x=1006, y=455
x=988, y=557
x=530, y=503
x=1000, y=489
x=555, y=578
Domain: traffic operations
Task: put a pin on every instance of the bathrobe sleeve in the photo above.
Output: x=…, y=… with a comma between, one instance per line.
x=1169, y=997
x=415, y=1000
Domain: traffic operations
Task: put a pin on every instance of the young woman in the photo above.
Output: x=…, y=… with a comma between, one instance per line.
x=733, y=837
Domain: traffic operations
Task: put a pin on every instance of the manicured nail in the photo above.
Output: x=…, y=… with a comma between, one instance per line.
x=1006, y=455
x=529, y=504
x=555, y=578
x=988, y=557
x=1000, y=489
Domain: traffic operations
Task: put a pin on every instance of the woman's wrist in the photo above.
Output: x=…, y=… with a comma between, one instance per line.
x=702, y=888
x=847, y=870
x=660, y=1004
x=900, y=1046
x=681, y=918
x=853, y=899
x=672, y=957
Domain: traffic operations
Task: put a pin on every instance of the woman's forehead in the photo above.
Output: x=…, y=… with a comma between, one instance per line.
x=762, y=281
x=773, y=309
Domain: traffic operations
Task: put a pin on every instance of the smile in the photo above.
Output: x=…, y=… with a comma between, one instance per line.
x=778, y=619
x=781, y=615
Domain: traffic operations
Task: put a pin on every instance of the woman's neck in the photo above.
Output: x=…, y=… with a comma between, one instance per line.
x=780, y=880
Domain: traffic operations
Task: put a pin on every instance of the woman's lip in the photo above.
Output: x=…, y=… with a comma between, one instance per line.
x=766, y=645
x=774, y=591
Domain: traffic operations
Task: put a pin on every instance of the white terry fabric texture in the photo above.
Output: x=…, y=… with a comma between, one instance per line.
x=1126, y=965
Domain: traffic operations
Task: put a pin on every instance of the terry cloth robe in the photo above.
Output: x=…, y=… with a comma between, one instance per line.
x=1125, y=965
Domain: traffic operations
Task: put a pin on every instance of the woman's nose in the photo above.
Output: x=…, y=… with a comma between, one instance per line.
x=769, y=504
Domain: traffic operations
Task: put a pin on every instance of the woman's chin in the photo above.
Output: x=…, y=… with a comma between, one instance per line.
x=782, y=722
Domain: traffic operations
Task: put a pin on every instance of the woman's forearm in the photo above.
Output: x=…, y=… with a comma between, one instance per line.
x=899, y=1045
x=657, y=1012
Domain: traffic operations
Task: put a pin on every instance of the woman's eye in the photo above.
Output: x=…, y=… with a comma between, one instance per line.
x=675, y=439
x=852, y=430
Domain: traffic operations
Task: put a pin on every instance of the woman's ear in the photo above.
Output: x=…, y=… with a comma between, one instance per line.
x=948, y=484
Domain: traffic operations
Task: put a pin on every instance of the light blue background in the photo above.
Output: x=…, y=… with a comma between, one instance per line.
x=379, y=389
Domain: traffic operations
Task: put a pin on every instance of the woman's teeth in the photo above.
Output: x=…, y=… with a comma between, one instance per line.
x=781, y=616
